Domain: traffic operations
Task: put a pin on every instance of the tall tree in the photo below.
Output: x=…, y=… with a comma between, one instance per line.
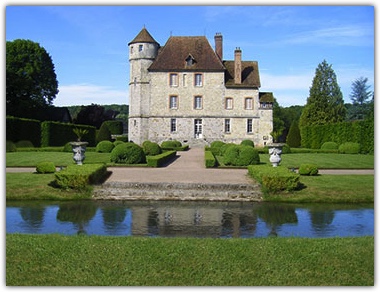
x=360, y=99
x=31, y=82
x=325, y=102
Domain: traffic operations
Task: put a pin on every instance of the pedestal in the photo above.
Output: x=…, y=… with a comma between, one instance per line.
x=79, y=148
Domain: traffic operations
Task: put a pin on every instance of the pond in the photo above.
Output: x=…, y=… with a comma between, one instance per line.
x=189, y=219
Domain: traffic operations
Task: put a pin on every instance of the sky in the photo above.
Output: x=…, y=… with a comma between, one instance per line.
x=89, y=44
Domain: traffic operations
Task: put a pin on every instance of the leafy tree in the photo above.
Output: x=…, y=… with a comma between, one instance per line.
x=31, y=82
x=325, y=102
x=360, y=94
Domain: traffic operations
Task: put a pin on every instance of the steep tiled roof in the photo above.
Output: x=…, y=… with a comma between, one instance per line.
x=250, y=74
x=143, y=37
x=178, y=50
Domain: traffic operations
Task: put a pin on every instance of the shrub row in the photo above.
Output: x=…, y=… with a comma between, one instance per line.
x=19, y=129
x=361, y=132
x=210, y=160
x=274, y=179
x=161, y=159
x=80, y=176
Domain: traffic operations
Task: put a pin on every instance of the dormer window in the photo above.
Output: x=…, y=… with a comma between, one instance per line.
x=190, y=61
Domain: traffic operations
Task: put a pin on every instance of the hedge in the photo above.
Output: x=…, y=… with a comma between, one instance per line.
x=361, y=132
x=80, y=176
x=274, y=179
x=45, y=167
x=58, y=134
x=308, y=169
x=18, y=129
x=160, y=159
x=210, y=160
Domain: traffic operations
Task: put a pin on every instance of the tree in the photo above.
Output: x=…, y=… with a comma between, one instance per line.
x=325, y=102
x=360, y=94
x=31, y=82
x=294, y=137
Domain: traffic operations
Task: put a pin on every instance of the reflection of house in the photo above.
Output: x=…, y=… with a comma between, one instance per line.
x=186, y=91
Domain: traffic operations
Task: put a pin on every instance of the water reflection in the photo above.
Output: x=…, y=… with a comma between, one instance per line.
x=192, y=219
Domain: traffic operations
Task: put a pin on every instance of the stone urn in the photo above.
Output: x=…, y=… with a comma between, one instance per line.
x=275, y=150
x=79, y=148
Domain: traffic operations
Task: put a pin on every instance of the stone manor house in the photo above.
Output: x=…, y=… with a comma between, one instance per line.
x=185, y=91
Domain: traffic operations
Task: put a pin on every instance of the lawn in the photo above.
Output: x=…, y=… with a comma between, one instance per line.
x=58, y=260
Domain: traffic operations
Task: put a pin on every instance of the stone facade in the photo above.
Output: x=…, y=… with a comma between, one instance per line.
x=185, y=91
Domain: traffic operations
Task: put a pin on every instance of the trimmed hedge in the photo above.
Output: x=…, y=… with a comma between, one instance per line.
x=247, y=143
x=274, y=179
x=161, y=159
x=18, y=129
x=349, y=148
x=58, y=134
x=210, y=160
x=115, y=127
x=151, y=148
x=24, y=144
x=308, y=169
x=80, y=176
x=10, y=146
x=240, y=155
x=105, y=147
x=128, y=153
x=45, y=167
x=330, y=146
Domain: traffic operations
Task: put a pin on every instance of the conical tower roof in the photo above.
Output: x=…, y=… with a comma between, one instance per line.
x=143, y=37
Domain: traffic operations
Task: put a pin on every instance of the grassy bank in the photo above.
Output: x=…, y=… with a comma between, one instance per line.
x=125, y=261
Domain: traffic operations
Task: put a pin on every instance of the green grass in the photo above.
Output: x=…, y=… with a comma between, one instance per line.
x=32, y=186
x=325, y=160
x=58, y=260
x=330, y=189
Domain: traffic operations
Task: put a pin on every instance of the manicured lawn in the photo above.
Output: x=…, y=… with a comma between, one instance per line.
x=57, y=260
x=325, y=160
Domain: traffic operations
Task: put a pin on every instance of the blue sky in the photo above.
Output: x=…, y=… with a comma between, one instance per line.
x=88, y=44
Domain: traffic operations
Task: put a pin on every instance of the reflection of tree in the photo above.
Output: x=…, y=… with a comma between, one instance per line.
x=79, y=213
x=33, y=215
x=276, y=215
x=321, y=218
x=113, y=217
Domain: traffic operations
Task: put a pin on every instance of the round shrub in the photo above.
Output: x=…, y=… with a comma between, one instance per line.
x=171, y=144
x=24, y=144
x=10, y=146
x=67, y=147
x=330, y=146
x=349, y=148
x=128, y=153
x=216, y=144
x=118, y=142
x=151, y=148
x=247, y=143
x=308, y=169
x=104, y=147
x=241, y=155
x=224, y=148
x=45, y=167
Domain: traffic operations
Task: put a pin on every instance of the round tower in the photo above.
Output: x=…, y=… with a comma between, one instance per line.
x=143, y=50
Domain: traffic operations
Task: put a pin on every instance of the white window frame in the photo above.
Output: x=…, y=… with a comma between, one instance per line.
x=198, y=79
x=229, y=103
x=248, y=103
x=173, y=79
x=173, y=102
x=198, y=102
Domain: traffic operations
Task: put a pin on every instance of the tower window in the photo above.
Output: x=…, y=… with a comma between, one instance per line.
x=140, y=48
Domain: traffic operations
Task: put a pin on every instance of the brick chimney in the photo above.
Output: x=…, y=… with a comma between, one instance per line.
x=237, y=66
x=219, y=45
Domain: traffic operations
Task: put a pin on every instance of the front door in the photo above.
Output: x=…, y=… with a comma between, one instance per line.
x=198, y=128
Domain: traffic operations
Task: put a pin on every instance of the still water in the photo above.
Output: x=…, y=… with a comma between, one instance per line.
x=190, y=219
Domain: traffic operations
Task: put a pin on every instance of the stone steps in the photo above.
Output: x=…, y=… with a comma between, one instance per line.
x=177, y=191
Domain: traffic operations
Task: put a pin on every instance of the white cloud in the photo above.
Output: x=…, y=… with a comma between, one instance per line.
x=86, y=94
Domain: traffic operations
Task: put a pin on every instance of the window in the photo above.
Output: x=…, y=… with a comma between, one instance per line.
x=227, y=126
x=248, y=104
x=198, y=80
x=249, y=126
x=173, y=102
x=229, y=103
x=140, y=48
x=173, y=125
x=184, y=80
x=173, y=79
x=198, y=102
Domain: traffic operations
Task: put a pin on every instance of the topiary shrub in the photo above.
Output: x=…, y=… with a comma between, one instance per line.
x=308, y=169
x=67, y=147
x=330, y=146
x=45, y=167
x=171, y=144
x=104, y=134
x=286, y=149
x=104, y=147
x=118, y=142
x=10, y=146
x=240, y=155
x=128, y=153
x=24, y=144
x=349, y=148
x=151, y=148
x=247, y=143
x=224, y=148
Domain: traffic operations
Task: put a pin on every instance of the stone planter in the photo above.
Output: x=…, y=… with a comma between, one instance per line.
x=275, y=150
x=79, y=148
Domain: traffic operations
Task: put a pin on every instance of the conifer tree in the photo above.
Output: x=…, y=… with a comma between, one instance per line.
x=325, y=103
x=294, y=137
